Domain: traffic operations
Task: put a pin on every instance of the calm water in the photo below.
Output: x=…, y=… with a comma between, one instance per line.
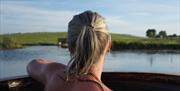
x=13, y=62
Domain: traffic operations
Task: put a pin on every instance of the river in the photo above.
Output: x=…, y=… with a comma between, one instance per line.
x=13, y=62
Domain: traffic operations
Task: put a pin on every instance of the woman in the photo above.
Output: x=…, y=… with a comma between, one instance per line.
x=88, y=42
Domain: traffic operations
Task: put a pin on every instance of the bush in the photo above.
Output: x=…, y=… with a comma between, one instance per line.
x=9, y=43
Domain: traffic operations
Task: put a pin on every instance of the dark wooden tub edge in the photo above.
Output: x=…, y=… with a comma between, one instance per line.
x=118, y=81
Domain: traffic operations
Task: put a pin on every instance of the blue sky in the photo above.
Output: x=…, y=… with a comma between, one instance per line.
x=122, y=16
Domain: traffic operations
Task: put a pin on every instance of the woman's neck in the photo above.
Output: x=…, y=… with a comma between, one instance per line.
x=97, y=68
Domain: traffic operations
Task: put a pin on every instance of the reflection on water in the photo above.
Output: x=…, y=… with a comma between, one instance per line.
x=168, y=63
x=13, y=62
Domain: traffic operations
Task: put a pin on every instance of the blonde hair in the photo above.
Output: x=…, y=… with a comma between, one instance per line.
x=87, y=37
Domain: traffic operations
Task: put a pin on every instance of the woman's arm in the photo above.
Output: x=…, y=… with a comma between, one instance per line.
x=42, y=70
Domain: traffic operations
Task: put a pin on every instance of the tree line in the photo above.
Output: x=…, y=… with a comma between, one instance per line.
x=151, y=33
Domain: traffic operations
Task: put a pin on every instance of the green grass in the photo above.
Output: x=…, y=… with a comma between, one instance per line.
x=51, y=38
x=135, y=39
x=35, y=38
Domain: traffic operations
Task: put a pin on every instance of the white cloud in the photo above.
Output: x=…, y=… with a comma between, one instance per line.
x=141, y=14
x=20, y=17
x=119, y=25
x=28, y=19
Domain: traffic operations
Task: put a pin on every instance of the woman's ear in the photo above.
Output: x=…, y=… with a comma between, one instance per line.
x=110, y=44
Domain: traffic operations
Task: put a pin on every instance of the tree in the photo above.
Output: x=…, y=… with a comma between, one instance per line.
x=162, y=34
x=174, y=35
x=151, y=33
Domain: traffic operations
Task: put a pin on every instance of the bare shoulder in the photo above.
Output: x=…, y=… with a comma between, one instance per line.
x=54, y=67
x=42, y=69
x=47, y=64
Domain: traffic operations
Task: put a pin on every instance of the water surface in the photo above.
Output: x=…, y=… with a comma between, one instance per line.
x=13, y=62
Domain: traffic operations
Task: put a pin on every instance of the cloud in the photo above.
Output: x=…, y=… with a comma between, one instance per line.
x=120, y=25
x=122, y=16
x=28, y=19
x=141, y=14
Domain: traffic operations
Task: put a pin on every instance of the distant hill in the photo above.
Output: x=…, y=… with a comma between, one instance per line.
x=120, y=41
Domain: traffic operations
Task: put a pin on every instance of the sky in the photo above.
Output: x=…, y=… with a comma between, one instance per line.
x=132, y=17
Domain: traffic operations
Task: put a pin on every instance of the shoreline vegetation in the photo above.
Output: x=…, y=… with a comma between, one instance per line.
x=120, y=41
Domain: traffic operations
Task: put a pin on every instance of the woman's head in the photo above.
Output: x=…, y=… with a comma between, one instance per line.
x=87, y=39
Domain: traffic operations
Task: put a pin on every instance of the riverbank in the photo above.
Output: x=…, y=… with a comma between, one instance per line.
x=120, y=41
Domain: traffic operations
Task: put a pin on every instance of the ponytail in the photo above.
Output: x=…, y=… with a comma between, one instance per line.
x=86, y=52
x=87, y=37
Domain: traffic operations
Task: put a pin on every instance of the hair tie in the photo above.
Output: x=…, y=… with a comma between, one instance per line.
x=89, y=27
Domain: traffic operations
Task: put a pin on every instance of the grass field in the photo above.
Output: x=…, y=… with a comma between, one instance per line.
x=130, y=39
x=35, y=38
x=119, y=39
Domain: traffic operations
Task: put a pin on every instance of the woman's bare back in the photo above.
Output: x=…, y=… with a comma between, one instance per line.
x=53, y=78
x=58, y=82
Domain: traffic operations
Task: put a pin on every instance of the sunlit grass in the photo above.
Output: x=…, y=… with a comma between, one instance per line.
x=144, y=40
x=35, y=38
x=51, y=38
